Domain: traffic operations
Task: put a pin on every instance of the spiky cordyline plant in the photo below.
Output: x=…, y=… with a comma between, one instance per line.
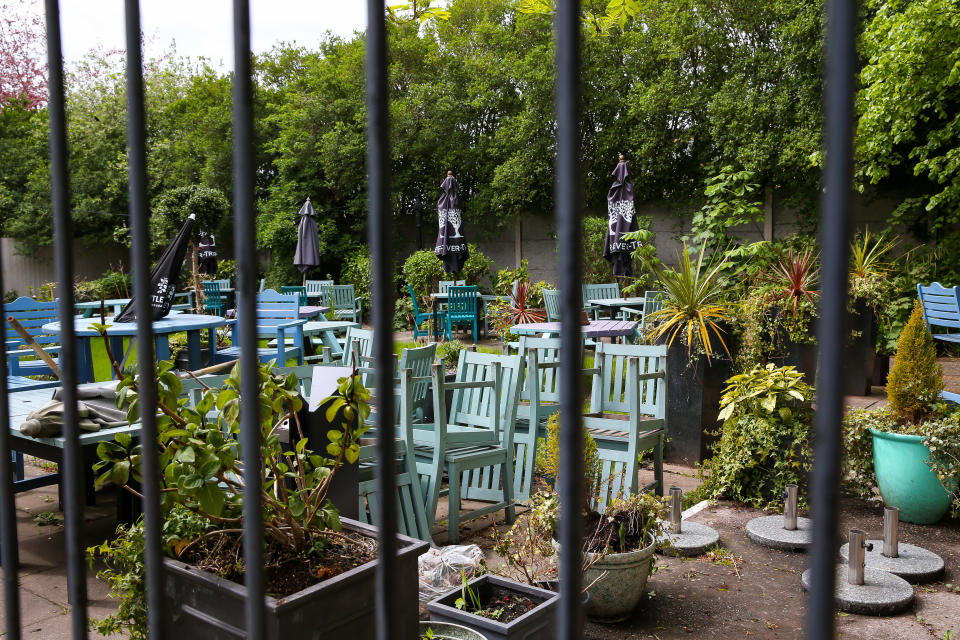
x=694, y=301
x=797, y=276
x=517, y=312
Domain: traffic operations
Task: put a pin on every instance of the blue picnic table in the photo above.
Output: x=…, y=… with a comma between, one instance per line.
x=190, y=323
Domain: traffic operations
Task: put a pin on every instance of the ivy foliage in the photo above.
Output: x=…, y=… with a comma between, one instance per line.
x=765, y=440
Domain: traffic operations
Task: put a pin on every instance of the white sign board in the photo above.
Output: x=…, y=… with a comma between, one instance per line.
x=324, y=383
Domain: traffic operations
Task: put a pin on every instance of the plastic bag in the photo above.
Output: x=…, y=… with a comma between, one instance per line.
x=439, y=569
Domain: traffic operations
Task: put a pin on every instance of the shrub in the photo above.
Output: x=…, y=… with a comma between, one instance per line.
x=549, y=462
x=424, y=271
x=174, y=205
x=357, y=271
x=403, y=314
x=10, y=295
x=504, y=278
x=227, y=270
x=857, y=476
x=449, y=353
x=915, y=379
x=765, y=440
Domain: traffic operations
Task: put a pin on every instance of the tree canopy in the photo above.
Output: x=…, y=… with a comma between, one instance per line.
x=684, y=88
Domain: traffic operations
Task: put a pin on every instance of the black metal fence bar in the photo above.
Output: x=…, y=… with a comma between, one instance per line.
x=140, y=259
x=8, y=517
x=834, y=238
x=244, y=177
x=379, y=228
x=71, y=472
x=570, y=226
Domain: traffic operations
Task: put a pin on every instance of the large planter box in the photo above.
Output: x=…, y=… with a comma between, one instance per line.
x=693, y=403
x=537, y=624
x=201, y=606
x=858, y=354
x=906, y=480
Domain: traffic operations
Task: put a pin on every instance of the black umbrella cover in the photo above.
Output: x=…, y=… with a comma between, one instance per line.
x=207, y=253
x=163, y=278
x=308, y=248
x=622, y=219
x=451, y=245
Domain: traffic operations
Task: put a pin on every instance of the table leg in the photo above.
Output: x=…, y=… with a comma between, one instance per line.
x=84, y=360
x=194, y=350
x=329, y=339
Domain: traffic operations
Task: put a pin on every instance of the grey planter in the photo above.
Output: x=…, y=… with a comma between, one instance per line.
x=537, y=624
x=693, y=403
x=449, y=631
x=201, y=606
x=858, y=353
x=614, y=596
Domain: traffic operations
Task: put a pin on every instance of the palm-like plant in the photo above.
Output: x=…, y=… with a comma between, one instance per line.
x=797, y=276
x=518, y=312
x=693, y=303
x=868, y=256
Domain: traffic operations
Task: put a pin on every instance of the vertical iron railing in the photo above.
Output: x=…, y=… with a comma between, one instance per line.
x=244, y=179
x=71, y=472
x=379, y=224
x=835, y=247
x=140, y=259
x=569, y=227
x=835, y=223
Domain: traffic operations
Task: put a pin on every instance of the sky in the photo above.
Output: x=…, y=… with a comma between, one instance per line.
x=204, y=27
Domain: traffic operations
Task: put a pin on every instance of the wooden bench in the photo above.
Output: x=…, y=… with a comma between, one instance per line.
x=941, y=308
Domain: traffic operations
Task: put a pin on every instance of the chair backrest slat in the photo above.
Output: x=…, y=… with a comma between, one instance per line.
x=652, y=302
x=32, y=315
x=462, y=301
x=600, y=291
x=941, y=305
x=473, y=407
x=551, y=303
x=612, y=388
x=300, y=291
x=316, y=286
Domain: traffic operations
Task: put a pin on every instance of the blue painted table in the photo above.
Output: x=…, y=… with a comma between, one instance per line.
x=190, y=323
x=92, y=308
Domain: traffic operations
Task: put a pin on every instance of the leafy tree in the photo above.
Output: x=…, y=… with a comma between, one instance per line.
x=730, y=202
x=23, y=70
x=909, y=110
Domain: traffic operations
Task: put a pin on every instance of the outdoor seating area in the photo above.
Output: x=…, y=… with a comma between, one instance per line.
x=681, y=357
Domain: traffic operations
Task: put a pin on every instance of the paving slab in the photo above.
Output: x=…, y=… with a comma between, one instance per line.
x=881, y=594
x=913, y=563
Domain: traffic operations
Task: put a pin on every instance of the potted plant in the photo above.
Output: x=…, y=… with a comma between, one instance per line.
x=794, y=279
x=619, y=538
x=870, y=290
x=916, y=442
x=765, y=439
x=447, y=631
x=691, y=323
x=319, y=567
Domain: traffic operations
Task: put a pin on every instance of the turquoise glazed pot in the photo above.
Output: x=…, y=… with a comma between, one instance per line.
x=906, y=480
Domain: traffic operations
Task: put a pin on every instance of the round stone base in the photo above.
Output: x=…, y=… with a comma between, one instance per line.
x=769, y=531
x=913, y=563
x=693, y=540
x=881, y=594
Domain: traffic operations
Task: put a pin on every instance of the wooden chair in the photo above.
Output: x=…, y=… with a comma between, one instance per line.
x=632, y=380
x=315, y=287
x=443, y=287
x=343, y=302
x=419, y=360
x=300, y=291
x=419, y=317
x=941, y=309
x=462, y=309
x=213, y=303
x=411, y=511
x=599, y=291
x=276, y=315
x=551, y=304
x=474, y=444
x=32, y=315
x=652, y=302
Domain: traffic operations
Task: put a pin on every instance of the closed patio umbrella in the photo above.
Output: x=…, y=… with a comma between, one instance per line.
x=451, y=245
x=308, y=248
x=163, y=278
x=207, y=253
x=622, y=219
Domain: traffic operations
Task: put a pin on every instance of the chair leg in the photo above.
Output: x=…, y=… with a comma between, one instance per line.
x=511, y=510
x=453, y=502
x=658, y=465
x=474, y=331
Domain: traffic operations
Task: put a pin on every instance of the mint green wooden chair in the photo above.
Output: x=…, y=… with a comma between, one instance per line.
x=474, y=444
x=315, y=287
x=343, y=302
x=631, y=381
x=598, y=292
x=551, y=304
x=462, y=309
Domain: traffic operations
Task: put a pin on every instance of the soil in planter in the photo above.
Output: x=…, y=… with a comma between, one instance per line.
x=503, y=605
x=602, y=532
x=286, y=572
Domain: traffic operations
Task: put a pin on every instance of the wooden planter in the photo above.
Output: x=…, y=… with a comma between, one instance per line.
x=201, y=606
x=537, y=624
